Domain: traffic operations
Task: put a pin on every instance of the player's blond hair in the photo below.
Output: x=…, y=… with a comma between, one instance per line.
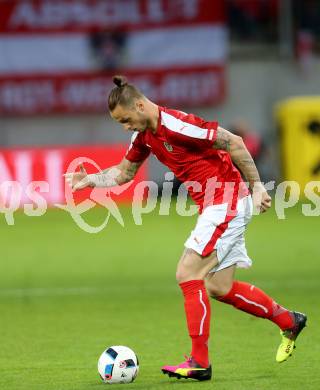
x=123, y=93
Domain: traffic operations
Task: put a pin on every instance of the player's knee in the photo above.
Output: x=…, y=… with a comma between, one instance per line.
x=183, y=276
x=179, y=276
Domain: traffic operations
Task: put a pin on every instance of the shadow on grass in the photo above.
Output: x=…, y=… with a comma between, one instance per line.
x=179, y=383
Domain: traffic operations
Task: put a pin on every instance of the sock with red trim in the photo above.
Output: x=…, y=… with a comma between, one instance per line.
x=252, y=300
x=197, y=308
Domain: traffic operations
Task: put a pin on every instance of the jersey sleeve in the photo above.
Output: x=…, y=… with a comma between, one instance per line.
x=138, y=150
x=189, y=130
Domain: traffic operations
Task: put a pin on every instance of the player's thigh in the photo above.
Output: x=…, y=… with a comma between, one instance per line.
x=220, y=283
x=194, y=266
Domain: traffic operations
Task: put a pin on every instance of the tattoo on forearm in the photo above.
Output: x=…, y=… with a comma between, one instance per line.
x=248, y=161
x=127, y=171
x=132, y=169
x=245, y=163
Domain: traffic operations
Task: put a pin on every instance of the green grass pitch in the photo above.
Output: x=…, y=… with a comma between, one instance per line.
x=65, y=295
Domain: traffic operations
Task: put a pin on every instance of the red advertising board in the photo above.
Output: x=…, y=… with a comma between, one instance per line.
x=69, y=93
x=26, y=171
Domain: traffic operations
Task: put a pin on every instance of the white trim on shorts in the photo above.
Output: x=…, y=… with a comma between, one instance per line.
x=217, y=230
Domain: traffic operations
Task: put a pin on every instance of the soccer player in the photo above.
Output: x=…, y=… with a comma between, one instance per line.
x=208, y=159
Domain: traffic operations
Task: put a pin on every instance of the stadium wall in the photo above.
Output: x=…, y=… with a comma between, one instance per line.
x=253, y=101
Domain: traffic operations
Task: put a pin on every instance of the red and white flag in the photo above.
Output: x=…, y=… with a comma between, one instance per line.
x=59, y=56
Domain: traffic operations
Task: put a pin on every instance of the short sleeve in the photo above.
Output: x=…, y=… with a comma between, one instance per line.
x=189, y=130
x=138, y=150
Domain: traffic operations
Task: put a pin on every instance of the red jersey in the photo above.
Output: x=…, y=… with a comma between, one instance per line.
x=184, y=143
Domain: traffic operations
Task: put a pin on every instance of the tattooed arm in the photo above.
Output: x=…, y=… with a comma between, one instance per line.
x=127, y=170
x=240, y=155
x=113, y=176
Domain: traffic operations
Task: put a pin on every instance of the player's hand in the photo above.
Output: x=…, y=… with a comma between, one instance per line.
x=261, y=199
x=78, y=180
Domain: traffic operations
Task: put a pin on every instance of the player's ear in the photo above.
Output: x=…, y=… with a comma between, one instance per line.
x=140, y=106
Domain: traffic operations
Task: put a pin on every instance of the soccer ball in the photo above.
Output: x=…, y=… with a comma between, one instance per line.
x=118, y=364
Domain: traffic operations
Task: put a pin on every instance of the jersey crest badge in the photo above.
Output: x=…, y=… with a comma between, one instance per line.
x=168, y=146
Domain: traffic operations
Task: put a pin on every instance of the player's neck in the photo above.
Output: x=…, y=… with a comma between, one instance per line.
x=154, y=117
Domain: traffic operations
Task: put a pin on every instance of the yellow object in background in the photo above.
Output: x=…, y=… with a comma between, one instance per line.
x=299, y=122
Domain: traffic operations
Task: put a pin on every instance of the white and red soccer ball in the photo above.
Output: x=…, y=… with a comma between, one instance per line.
x=118, y=364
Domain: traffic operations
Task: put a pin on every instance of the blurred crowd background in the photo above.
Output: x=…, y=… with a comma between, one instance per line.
x=226, y=60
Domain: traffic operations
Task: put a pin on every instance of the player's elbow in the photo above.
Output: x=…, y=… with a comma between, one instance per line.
x=237, y=139
x=237, y=142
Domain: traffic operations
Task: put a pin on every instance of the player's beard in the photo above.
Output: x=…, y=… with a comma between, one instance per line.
x=143, y=126
x=149, y=125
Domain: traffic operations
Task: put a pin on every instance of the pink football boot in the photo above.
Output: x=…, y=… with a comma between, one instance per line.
x=189, y=369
